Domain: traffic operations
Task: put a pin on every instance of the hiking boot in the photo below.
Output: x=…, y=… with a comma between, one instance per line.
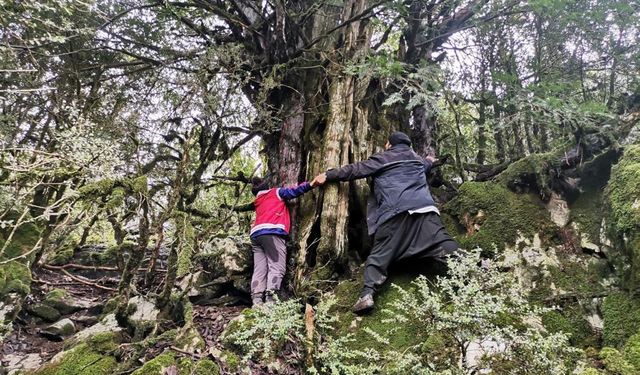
x=256, y=300
x=363, y=305
x=271, y=296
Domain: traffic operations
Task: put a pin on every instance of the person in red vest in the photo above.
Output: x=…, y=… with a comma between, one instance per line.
x=268, y=233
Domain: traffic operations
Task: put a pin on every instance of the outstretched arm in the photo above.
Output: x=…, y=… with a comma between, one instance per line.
x=241, y=208
x=287, y=193
x=356, y=170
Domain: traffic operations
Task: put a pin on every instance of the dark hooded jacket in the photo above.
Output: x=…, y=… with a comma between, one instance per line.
x=399, y=183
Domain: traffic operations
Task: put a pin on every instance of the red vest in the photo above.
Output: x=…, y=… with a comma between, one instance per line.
x=271, y=212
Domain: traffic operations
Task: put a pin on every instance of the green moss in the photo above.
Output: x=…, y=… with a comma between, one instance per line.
x=43, y=311
x=624, y=190
x=62, y=256
x=97, y=189
x=501, y=214
x=60, y=300
x=185, y=366
x=530, y=171
x=157, y=365
x=15, y=277
x=116, y=198
x=206, y=367
x=615, y=363
x=586, y=208
x=81, y=360
x=586, y=211
x=105, y=342
x=138, y=184
x=189, y=339
x=621, y=314
x=23, y=240
x=231, y=360
x=403, y=336
x=56, y=295
x=441, y=348
x=112, y=304
x=109, y=256
x=116, y=190
x=185, y=251
x=169, y=335
x=576, y=277
x=623, y=198
x=571, y=321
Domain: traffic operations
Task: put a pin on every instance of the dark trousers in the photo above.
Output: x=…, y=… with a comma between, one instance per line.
x=269, y=262
x=405, y=236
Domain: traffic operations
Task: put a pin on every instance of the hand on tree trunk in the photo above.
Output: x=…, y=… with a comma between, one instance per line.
x=319, y=180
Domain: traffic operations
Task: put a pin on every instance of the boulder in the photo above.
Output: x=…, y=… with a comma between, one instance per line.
x=108, y=324
x=95, y=357
x=64, y=327
x=17, y=364
x=9, y=308
x=226, y=264
x=227, y=257
x=66, y=304
x=43, y=311
x=144, y=315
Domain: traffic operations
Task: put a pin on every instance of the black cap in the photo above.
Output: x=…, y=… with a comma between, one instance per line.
x=399, y=137
x=258, y=184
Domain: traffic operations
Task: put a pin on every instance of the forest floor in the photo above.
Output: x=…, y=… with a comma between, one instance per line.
x=29, y=345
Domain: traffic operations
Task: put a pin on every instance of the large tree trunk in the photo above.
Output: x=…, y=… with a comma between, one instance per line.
x=319, y=116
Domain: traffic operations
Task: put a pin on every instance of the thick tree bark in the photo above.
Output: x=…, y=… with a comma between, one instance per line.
x=329, y=118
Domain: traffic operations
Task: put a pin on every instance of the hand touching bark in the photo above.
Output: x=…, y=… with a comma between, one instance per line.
x=319, y=180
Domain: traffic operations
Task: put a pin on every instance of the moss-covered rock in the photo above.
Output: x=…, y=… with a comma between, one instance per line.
x=63, y=255
x=586, y=208
x=157, y=365
x=571, y=321
x=621, y=313
x=141, y=316
x=60, y=300
x=23, y=240
x=15, y=277
x=494, y=216
x=582, y=276
x=231, y=361
x=43, y=311
x=206, y=367
x=530, y=173
x=623, y=198
x=362, y=327
x=183, y=366
x=64, y=327
x=84, y=359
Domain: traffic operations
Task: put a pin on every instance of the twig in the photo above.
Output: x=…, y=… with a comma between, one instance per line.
x=79, y=279
x=50, y=283
x=193, y=355
x=96, y=268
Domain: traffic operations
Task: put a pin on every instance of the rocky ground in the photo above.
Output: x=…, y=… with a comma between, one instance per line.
x=60, y=310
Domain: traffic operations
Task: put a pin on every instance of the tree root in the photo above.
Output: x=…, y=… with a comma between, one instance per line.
x=78, y=278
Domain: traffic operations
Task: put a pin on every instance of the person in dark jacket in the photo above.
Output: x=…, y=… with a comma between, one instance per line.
x=401, y=214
